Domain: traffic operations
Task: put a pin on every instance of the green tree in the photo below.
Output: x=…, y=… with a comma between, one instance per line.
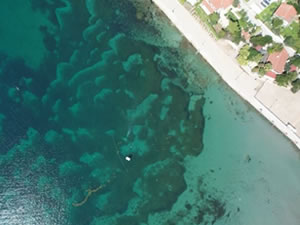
x=214, y=18
x=268, y=12
x=221, y=34
x=236, y=3
x=243, y=55
x=295, y=61
x=282, y=80
x=286, y=79
x=276, y=25
x=275, y=47
x=294, y=43
x=295, y=86
x=268, y=66
x=262, y=68
x=244, y=23
x=276, y=22
x=231, y=16
x=261, y=40
x=254, y=55
x=234, y=30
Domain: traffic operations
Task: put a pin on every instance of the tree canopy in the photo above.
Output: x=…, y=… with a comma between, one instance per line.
x=286, y=79
x=254, y=55
x=294, y=43
x=295, y=61
x=214, y=18
x=235, y=31
x=276, y=25
x=275, y=47
x=236, y=3
x=243, y=55
x=295, y=86
x=262, y=68
x=261, y=40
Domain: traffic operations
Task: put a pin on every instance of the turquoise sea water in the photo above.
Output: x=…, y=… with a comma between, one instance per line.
x=86, y=83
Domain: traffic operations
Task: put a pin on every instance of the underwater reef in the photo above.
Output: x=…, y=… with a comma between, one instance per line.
x=112, y=82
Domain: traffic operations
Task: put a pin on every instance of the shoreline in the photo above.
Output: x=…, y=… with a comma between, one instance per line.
x=241, y=82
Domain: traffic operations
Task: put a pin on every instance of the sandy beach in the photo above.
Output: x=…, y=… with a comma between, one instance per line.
x=246, y=85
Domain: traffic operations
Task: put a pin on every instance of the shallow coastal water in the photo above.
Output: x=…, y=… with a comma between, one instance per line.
x=93, y=81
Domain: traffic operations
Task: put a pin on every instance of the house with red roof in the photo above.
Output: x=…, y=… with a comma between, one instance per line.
x=293, y=68
x=246, y=35
x=286, y=12
x=278, y=60
x=211, y=6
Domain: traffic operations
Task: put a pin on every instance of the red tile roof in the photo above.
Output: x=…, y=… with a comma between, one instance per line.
x=271, y=74
x=246, y=35
x=286, y=12
x=293, y=68
x=214, y=5
x=258, y=47
x=209, y=8
x=221, y=4
x=278, y=60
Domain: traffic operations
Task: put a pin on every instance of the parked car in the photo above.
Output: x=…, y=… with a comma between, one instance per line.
x=263, y=4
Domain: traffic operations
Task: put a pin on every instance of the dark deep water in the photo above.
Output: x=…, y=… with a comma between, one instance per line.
x=83, y=84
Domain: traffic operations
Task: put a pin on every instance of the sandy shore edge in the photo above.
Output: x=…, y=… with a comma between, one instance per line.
x=227, y=67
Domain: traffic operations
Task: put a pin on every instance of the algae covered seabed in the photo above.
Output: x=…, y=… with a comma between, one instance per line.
x=85, y=83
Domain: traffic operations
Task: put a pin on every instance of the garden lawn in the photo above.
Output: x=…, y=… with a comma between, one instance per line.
x=268, y=12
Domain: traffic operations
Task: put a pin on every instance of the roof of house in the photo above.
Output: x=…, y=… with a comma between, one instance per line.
x=278, y=60
x=271, y=74
x=258, y=47
x=286, y=12
x=246, y=35
x=217, y=4
x=207, y=6
x=293, y=68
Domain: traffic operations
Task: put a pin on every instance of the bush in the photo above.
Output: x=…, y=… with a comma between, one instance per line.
x=214, y=18
x=295, y=86
x=255, y=69
x=221, y=34
x=243, y=55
